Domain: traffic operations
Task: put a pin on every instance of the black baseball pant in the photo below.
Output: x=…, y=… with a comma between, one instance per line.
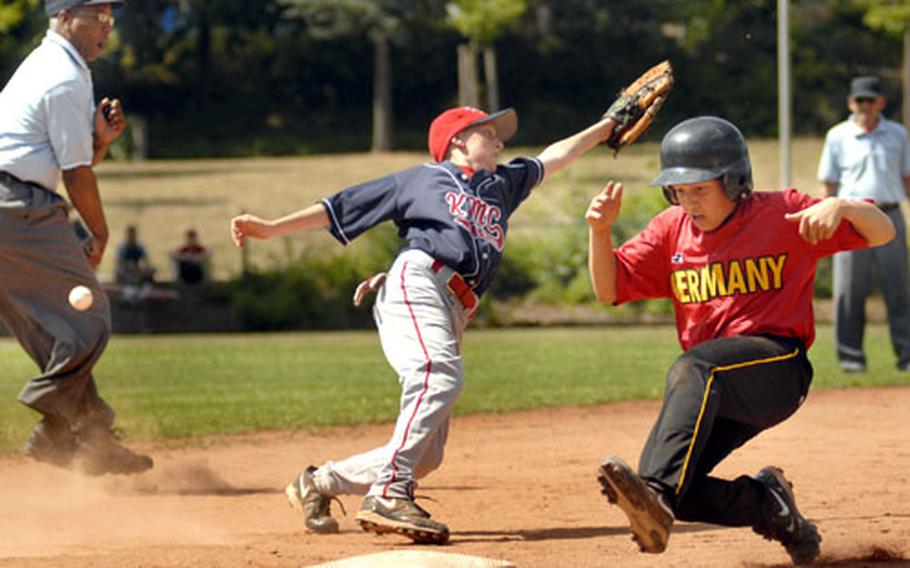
x=719, y=395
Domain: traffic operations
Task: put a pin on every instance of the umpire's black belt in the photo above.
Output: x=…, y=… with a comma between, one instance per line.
x=8, y=179
x=888, y=206
x=15, y=193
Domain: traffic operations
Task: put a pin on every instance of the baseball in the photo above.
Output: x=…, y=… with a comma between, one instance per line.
x=81, y=298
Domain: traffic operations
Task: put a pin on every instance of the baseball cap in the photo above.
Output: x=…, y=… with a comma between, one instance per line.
x=867, y=86
x=54, y=7
x=454, y=120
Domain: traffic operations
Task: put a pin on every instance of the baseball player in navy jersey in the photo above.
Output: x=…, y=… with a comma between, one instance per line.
x=739, y=267
x=453, y=213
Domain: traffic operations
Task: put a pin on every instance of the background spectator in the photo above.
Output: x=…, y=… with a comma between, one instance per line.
x=191, y=260
x=133, y=267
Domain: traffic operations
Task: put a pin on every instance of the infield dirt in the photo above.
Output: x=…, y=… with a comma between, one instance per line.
x=519, y=487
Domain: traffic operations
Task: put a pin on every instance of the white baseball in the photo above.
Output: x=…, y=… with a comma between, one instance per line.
x=81, y=298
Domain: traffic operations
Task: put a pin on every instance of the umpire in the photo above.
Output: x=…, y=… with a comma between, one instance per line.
x=50, y=124
x=868, y=157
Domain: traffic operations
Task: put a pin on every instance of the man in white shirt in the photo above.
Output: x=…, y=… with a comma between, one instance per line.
x=868, y=157
x=50, y=126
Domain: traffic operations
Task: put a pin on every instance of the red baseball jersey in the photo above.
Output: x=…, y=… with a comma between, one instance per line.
x=752, y=275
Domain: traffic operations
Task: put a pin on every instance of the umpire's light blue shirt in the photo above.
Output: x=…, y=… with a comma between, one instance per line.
x=47, y=113
x=867, y=164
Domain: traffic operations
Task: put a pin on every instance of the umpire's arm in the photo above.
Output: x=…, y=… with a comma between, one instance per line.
x=82, y=188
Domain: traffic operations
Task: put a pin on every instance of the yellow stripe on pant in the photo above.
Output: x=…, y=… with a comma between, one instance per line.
x=704, y=403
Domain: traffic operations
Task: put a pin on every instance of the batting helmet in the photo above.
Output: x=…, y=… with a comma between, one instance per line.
x=704, y=148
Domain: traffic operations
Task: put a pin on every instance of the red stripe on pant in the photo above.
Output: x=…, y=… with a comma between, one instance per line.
x=426, y=383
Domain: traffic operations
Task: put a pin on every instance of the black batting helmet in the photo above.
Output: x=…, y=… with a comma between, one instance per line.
x=704, y=148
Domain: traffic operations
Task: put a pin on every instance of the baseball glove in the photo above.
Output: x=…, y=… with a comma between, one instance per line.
x=637, y=105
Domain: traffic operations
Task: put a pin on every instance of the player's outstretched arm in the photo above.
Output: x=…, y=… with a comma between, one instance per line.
x=818, y=222
x=250, y=226
x=560, y=154
x=602, y=213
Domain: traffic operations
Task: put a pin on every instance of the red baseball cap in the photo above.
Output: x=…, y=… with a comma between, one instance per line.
x=454, y=120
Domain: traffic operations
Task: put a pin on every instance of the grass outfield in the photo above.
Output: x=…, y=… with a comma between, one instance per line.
x=186, y=386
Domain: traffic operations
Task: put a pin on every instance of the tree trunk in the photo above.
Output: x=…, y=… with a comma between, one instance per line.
x=467, y=76
x=906, y=109
x=382, y=95
x=139, y=137
x=489, y=71
x=203, y=56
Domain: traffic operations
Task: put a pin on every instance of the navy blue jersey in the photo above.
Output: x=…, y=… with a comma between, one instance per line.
x=457, y=220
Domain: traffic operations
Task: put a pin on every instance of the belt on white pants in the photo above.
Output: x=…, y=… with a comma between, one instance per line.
x=459, y=288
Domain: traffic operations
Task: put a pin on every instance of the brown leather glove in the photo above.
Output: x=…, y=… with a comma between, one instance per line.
x=637, y=105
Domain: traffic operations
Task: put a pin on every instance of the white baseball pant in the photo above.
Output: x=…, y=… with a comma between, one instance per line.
x=420, y=327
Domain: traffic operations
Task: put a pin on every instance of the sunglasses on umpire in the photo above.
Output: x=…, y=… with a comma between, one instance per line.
x=102, y=18
x=864, y=100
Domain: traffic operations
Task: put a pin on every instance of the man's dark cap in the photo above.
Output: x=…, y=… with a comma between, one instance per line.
x=867, y=86
x=54, y=7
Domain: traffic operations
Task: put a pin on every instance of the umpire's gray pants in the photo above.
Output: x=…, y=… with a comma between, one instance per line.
x=40, y=261
x=852, y=275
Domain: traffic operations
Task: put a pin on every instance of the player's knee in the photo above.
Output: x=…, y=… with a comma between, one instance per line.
x=450, y=377
x=93, y=339
x=685, y=509
x=685, y=368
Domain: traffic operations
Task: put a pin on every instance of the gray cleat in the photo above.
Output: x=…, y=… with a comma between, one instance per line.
x=101, y=452
x=649, y=518
x=315, y=507
x=52, y=441
x=401, y=516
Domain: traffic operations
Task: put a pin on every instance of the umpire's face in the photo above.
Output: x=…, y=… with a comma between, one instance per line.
x=866, y=107
x=87, y=28
x=705, y=202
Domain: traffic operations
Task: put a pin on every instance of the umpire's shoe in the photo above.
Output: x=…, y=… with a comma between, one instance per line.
x=100, y=452
x=649, y=517
x=315, y=507
x=401, y=516
x=52, y=441
x=783, y=522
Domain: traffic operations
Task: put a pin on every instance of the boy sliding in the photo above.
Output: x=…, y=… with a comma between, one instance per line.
x=739, y=267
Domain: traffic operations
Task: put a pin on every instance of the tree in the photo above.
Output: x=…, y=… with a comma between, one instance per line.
x=893, y=18
x=481, y=21
x=380, y=21
x=21, y=24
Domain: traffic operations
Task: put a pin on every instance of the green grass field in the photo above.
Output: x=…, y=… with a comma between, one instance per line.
x=163, y=198
x=190, y=386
